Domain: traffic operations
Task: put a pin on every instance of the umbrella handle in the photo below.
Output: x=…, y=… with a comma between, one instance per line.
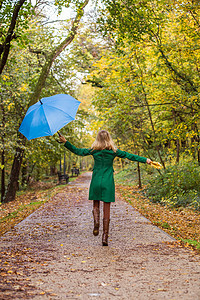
x=59, y=136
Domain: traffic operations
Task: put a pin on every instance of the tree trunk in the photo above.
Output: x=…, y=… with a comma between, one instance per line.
x=177, y=150
x=153, y=128
x=30, y=173
x=38, y=173
x=3, y=152
x=177, y=140
x=13, y=184
x=60, y=164
x=3, y=175
x=53, y=170
x=64, y=166
x=139, y=173
x=69, y=163
x=198, y=142
x=24, y=172
x=149, y=111
x=139, y=176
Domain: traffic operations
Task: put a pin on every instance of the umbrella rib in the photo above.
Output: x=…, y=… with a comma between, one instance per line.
x=33, y=119
x=61, y=111
x=46, y=118
x=55, y=108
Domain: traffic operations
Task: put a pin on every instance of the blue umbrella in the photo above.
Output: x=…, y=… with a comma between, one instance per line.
x=48, y=115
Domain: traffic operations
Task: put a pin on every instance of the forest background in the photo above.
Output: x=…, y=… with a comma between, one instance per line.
x=134, y=65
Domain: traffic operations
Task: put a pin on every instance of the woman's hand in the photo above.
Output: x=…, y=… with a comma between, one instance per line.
x=62, y=139
x=148, y=161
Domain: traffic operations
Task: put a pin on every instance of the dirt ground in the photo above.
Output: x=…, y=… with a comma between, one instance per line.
x=52, y=254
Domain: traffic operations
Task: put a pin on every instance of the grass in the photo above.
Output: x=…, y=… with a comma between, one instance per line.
x=32, y=206
x=193, y=243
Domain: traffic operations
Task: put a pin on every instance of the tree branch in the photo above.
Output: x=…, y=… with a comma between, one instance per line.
x=9, y=36
x=1, y=2
x=54, y=21
x=195, y=19
x=38, y=51
x=57, y=81
x=181, y=76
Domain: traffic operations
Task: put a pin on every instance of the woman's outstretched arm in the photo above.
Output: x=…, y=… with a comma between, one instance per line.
x=133, y=157
x=72, y=148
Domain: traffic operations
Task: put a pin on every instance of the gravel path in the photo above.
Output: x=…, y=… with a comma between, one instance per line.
x=52, y=254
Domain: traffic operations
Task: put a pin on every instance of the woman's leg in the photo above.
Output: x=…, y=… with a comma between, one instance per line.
x=96, y=215
x=106, y=221
x=96, y=204
x=106, y=210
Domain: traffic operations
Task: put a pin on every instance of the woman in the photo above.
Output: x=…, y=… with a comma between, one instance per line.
x=102, y=187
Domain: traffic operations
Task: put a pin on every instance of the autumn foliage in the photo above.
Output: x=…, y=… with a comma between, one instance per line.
x=182, y=223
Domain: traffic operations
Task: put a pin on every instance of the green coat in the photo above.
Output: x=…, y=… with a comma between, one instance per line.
x=102, y=185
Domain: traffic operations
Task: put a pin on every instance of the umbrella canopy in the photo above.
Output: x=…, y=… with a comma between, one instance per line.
x=48, y=115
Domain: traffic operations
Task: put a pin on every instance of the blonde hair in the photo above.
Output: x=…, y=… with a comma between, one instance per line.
x=103, y=141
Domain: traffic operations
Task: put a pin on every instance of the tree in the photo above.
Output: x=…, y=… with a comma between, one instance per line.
x=49, y=59
x=170, y=71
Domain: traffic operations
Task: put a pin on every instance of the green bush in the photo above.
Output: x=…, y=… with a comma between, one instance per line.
x=177, y=186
